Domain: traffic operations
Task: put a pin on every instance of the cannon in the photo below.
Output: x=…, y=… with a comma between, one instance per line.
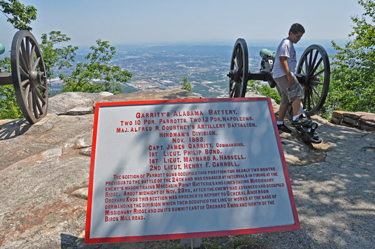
x=29, y=76
x=313, y=73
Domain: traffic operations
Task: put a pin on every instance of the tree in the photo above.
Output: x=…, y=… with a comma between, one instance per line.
x=263, y=89
x=185, y=84
x=96, y=75
x=8, y=103
x=22, y=15
x=352, y=85
x=56, y=57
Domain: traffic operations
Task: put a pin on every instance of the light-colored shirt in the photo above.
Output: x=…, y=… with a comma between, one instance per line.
x=286, y=49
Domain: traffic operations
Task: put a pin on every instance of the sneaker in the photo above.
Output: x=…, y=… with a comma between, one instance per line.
x=283, y=128
x=301, y=121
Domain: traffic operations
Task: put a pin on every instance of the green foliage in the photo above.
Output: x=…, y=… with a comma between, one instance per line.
x=5, y=65
x=9, y=108
x=352, y=85
x=60, y=57
x=21, y=14
x=263, y=89
x=185, y=84
x=106, y=77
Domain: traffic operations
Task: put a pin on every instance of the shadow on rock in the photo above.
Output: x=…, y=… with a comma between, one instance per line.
x=69, y=241
x=14, y=128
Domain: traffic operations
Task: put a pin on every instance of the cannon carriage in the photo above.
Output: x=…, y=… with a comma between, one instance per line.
x=313, y=73
x=28, y=76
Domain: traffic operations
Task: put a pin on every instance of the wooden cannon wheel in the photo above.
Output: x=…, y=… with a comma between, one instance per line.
x=238, y=70
x=29, y=76
x=314, y=66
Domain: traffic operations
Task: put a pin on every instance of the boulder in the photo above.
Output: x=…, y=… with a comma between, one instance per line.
x=63, y=102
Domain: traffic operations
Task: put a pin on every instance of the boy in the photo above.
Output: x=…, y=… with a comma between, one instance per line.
x=287, y=84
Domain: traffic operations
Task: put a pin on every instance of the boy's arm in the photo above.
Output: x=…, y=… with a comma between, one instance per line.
x=285, y=67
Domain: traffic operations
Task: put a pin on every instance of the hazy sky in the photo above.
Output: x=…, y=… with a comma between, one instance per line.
x=199, y=21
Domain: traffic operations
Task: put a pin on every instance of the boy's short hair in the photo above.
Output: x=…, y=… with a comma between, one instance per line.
x=296, y=28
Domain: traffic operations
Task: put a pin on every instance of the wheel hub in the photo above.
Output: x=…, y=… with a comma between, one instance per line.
x=234, y=75
x=36, y=78
x=303, y=79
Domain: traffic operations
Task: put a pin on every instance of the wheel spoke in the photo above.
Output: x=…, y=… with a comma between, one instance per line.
x=36, y=114
x=40, y=97
x=313, y=63
x=235, y=63
x=316, y=82
x=238, y=62
x=26, y=93
x=35, y=64
x=313, y=99
x=316, y=66
x=26, y=75
x=24, y=55
x=27, y=55
x=42, y=87
x=318, y=73
x=31, y=56
x=233, y=90
x=306, y=63
x=23, y=63
x=38, y=102
x=30, y=100
x=316, y=91
x=310, y=59
x=23, y=83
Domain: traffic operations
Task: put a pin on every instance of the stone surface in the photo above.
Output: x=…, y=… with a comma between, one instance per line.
x=361, y=120
x=63, y=102
x=274, y=104
x=338, y=114
x=366, y=127
x=80, y=111
x=354, y=115
x=44, y=175
x=368, y=119
x=149, y=95
x=336, y=120
x=85, y=151
x=353, y=122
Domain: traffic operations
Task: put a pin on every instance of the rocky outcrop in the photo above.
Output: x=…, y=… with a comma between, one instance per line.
x=71, y=102
x=44, y=174
x=362, y=120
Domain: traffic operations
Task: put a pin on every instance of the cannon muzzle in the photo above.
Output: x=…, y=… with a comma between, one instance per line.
x=265, y=51
x=2, y=48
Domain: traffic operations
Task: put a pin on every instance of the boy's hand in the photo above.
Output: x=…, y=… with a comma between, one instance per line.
x=284, y=66
x=290, y=78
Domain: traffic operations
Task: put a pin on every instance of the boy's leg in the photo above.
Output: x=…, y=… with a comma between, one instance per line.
x=283, y=105
x=296, y=106
x=282, y=111
x=299, y=120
